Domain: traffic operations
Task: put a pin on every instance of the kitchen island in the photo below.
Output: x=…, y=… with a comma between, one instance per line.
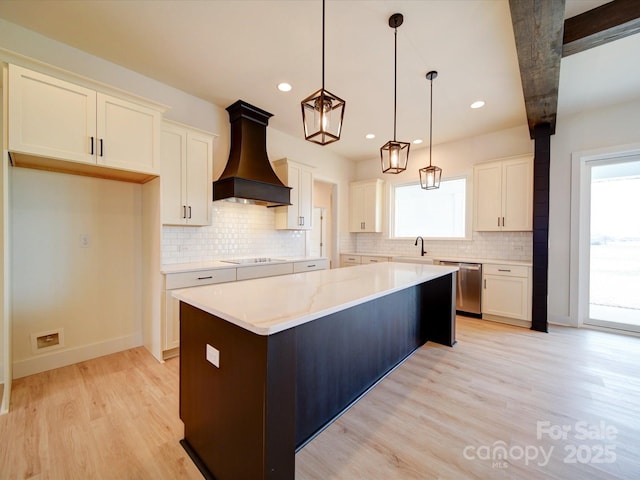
x=267, y=364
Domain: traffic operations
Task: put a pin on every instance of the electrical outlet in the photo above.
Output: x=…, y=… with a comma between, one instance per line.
x=85, y=240
x=213, y=356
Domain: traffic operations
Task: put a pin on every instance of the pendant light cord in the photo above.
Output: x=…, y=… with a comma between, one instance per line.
x=323, y=45
x=395, y=79
x=430, y=121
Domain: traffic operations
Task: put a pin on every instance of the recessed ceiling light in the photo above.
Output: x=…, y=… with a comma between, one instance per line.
x=369, y=136
x=477, y=104
x=284, y=87
x=417, y=141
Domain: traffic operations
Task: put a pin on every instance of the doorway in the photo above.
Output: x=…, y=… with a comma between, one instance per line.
x=614, y=243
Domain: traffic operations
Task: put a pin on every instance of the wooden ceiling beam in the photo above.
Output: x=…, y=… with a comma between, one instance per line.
x=538, y=28
x=603, y=24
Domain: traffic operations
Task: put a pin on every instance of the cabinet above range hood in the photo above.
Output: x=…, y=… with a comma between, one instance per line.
x=248, y=176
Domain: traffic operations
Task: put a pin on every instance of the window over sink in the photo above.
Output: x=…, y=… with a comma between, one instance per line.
x=435, y=214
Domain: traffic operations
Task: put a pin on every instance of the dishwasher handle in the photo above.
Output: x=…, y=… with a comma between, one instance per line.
x=463, y=266
x=472, y=267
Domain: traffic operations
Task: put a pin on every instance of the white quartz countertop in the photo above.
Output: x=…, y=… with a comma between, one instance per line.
x=451, y=258
x=214, y=264
x=269, y=305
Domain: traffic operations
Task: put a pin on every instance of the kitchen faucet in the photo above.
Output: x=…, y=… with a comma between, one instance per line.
x=422, y=252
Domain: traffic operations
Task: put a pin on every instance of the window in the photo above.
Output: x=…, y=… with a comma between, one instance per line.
x=440, y=213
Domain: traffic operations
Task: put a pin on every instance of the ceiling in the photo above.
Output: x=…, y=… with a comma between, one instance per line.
x=225, y=50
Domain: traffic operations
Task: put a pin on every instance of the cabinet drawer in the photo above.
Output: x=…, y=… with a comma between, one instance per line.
x=259, y=271
x=350, y=259
x=366, y=259
x=310, y=265
x=506, y=270
x=200, y=277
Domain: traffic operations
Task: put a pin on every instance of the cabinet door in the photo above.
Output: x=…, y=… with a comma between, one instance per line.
x=305, y=198
x=198, y=178
x=172, y=322
x=293, y=211
x=505, y=296
x=517, y=195
x=371, y=207
x=171, y=166
x=487, y=186
x=297, y=216
x=50, y=117
x=127, y=134
x=356, y=208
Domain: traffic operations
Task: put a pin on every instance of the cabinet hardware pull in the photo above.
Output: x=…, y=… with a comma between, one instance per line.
x=311, y=266
x=205, y=278
x=101, y=148
x=91, y=145
x=503, y=221
x=498, y=221
x=504, y=269
x=189, y=211
x=184, y=211
x=485, y=283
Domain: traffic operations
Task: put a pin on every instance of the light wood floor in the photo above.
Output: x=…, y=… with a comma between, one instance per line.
x=437, y=416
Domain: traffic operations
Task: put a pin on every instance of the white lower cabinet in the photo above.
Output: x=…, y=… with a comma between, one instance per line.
x=171, y=314
x=506, y=293
x=299, y=267
x=350, y=260
x=373, y=259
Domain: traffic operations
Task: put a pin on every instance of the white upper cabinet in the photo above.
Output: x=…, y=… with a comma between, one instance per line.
x=186, y=175
x=127, y=134
x=299, y=177
x=503, y=195
x=365, y=206
x=51, y=117
x=56, y=119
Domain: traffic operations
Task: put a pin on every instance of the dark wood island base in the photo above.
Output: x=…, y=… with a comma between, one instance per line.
x=271, y=394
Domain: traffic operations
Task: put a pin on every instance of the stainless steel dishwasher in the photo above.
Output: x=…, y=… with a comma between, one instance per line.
x=468, y=288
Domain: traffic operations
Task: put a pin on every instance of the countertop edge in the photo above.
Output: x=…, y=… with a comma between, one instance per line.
x=172, y=268
x=181, y=294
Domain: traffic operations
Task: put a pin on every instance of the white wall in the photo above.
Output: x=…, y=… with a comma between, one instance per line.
x=94, y=292
x=607, y=127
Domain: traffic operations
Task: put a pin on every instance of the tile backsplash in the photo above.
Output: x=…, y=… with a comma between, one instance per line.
x=239, y=230
x=517, y=246
x=236, y=231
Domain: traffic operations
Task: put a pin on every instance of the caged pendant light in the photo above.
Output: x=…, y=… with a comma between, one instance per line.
x=394, y=155
x=430, y=176
x=322, y=111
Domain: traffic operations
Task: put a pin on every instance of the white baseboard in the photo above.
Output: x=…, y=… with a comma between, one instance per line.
x=69, y=356
x=561, y=320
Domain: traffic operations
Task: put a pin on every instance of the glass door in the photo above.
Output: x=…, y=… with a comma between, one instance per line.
x=614, y=247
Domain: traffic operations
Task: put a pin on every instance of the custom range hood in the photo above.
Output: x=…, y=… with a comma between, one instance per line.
x=248, y=176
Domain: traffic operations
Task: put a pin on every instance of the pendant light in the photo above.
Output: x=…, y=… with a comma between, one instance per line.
x=430, y=176
x=322, y=111
x=394, y=155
